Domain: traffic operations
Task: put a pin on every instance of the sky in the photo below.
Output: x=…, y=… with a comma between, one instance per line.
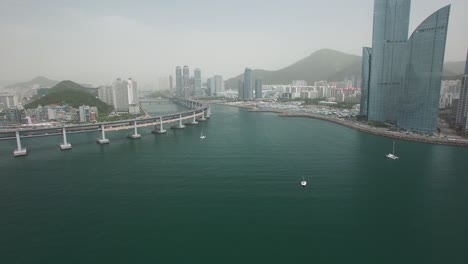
x=98, y=41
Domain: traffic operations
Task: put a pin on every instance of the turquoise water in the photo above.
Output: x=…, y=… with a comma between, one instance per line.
x=234, y=197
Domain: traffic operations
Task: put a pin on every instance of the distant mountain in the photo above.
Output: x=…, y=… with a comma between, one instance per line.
x=73, y=94
x=34, y=83
x=454, y=68
x=325, y=64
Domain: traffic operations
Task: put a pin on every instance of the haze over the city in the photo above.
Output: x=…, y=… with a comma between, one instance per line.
x=97, y=42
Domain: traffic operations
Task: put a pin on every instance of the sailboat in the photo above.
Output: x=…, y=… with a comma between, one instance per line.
x=202, y=136
x=392, y=155
x=303, y=182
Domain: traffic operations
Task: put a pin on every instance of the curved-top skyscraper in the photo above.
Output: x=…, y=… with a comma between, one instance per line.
x=422, y=74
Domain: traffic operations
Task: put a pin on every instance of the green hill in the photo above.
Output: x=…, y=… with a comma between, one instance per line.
x=73, y=94
x=325, y=64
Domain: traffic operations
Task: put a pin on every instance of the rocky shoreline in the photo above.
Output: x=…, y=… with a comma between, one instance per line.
x=366, y=129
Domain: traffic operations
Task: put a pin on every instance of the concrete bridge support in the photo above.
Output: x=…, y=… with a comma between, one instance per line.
x=179, y=126
x=193, y=122
x=65, y=144
x=19, y=151
x=208, y=113
x=202, y=119
x=103, y=140
x=135, y=133
x=161, y=129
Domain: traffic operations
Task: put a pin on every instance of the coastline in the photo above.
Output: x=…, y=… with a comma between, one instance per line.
x=361, y=128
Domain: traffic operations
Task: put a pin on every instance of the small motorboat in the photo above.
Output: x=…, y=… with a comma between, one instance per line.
x=202, y=136
x=303, y=182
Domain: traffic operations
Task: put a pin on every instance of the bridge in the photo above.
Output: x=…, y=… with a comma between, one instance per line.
x=156, y=101
x=197, y=112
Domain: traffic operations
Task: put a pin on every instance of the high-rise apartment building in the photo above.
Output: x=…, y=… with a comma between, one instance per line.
x=210, y=86
x=132, y=91
x=461, y=117
x=107, y=94
x=248, y=84
x=178, y=81
x=121, y=95
x=8, y=101
x=197, y=82
x=258, y=89
x=219, y=83
x=240, y=86
x=405, y=74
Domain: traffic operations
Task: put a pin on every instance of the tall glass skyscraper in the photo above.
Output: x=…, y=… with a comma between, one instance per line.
x=366, y=68
x=178, y=81
x=461, y=118
x=197, y=82
x=422, y=74
x=391, y=22
x=240, y=85
x=405, y=74
x=258, y=88
x=248, y=84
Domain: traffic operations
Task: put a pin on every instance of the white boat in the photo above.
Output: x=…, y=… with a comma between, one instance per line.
x=392, y=155
x=202, y=136
x=303, y=182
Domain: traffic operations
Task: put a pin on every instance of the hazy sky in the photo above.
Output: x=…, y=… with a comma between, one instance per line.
x=97, y=42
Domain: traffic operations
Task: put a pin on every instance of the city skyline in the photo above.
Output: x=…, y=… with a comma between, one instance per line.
x=38, y=46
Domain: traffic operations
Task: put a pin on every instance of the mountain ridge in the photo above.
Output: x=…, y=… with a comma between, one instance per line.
x=326, y=64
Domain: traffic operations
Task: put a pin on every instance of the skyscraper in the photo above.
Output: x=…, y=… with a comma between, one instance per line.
x=186, y=82
x=366, y=68
x=219, y=83
x=197, y=82
x=121, y=95
x=210, y=86
x=258, y=88
x=248, y=84
x=240, y=86
x=461, y=117
x=178, y=81
x=107, y=95
x=418, y=107
x=391, y=23
x=132, y=91
x=405, y=75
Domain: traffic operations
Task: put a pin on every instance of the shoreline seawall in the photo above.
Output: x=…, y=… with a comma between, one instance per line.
x=361, y=128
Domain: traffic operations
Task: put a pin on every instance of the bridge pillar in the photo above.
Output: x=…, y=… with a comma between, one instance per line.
x=103, y=140
x=203, y=117
x=19, y=151
x=208, y=114
x=161, y=128
x=65, y=144
x=194, y=120
x=135, y=134
x=179, y=126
